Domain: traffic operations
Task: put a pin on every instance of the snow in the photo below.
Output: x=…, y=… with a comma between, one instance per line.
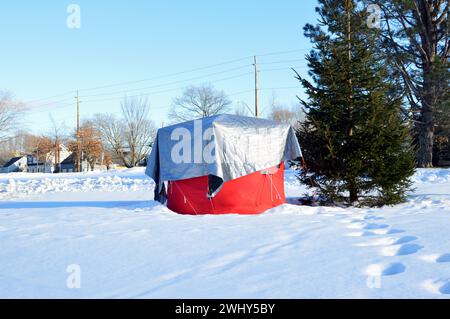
x=126, y=245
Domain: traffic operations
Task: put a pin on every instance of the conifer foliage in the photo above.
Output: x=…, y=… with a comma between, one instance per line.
x=353, y=139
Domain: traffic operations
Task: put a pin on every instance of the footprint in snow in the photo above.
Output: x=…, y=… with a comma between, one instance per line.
x=386, y=269
x=445, y=258
x=437, y=286
x=371, y=226
x=374, y=232
x=386, y=241
x=366, y=226
x=400, y=250
x=436, y=258
x=386, y=231
x=372, y=217
x=351, y=221
x=355, y=226
x=361, y=234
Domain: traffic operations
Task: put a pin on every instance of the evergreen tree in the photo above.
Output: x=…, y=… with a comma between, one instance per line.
x=354, y=140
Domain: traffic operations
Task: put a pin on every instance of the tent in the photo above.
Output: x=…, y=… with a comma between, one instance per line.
x=222, y=164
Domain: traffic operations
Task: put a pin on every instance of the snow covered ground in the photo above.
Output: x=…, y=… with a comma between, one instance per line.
x=127, y=245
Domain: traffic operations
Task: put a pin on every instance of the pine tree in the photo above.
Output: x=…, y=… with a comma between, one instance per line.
x=354, y=141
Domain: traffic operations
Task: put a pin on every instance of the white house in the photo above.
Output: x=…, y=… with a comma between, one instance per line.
x=15, y=164
x=49, y=165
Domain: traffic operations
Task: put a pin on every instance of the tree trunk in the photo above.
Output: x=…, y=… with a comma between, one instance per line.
x=426, y=127
x=353, y=194
x=353, y=191
x=425, y=139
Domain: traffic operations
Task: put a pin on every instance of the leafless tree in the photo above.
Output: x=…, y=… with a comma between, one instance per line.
x=57, y=130
x=243, y=109
x=21, y=142
x=416, y=36
x=112, y=132
x=139, y=130
x=57, y=133
x=284, y=114
x=198, y=102
x=10, y=111
x=129, y=138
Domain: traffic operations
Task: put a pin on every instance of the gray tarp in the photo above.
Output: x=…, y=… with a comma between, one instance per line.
x=226, y=146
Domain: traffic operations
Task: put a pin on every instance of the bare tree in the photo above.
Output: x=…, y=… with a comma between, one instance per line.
x=198, y=102
x=57, y=134
x=130, y=138
x=139, y=130
x=284, y=114
x=416, y=36
x=112, y=132
x=10, y=111
x=21, y=142
x=243, y=109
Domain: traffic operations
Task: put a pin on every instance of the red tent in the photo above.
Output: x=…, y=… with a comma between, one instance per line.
x=222, y=164
x=250, y=194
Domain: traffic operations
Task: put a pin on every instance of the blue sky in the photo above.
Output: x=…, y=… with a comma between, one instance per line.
x=43, y=62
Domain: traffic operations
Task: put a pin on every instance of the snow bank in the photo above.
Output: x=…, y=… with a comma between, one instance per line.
x=21, y=185
x=434, y=175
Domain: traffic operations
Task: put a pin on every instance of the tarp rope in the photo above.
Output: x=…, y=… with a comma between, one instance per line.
x=185, y=198
x=274, y=186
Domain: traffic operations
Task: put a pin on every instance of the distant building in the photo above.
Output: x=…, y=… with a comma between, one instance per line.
x=15, y=164
x=69, y=164
x=48, y=165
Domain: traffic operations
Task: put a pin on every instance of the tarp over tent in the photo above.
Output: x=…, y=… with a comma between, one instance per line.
x=218, y=149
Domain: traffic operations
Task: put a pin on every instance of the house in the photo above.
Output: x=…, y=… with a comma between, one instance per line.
x=15, y=164
x=69, y=164
x=50, y=164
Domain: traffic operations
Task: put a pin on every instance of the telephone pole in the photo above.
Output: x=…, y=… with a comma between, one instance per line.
x=256, y=87
x=78, y=164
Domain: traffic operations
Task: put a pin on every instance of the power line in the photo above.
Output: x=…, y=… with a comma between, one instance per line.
x=285, y=61
x=169, y=106
x=50, y=97
x=169, y=83
x=283, y=68
x=169, y=75
x=193, y=70
x=53, y=102
x=67, y=105
x=190, y=79
x=282, y=52
x=165, y=76
x=165, y=91
x=60, y=106
x=265, y=89
x=122, y=93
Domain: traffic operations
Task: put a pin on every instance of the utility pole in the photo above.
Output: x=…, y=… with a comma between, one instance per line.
x=78, y=164
x=57, y=155
x=256, y=87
